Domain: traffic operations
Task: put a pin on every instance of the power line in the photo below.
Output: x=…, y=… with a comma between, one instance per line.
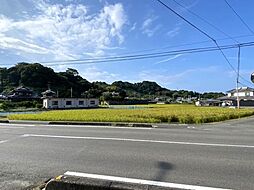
x=197, y=28
x=243, y=84
x=152, y=49
x=250, y=83
x=203, y=32
x=146, y=56
x=206, y=21
x=194, y=26
x=150, y=55
x=246, y=25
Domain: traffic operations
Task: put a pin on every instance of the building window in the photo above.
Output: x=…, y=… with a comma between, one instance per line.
x=54, y=103
x=247, y=94
x=81, y=102
x=68, y=103
x=92, y=102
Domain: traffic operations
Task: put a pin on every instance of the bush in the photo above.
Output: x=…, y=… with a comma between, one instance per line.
x=7, y=105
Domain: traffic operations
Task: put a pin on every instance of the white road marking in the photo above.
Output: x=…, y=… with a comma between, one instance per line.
x=140, y=140
x=15, y=124
x=12, y=139
x=6, y=125
x=140, y=181
x=1, y=142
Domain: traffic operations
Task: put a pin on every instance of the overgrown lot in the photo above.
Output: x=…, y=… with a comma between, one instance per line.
x=150, y=114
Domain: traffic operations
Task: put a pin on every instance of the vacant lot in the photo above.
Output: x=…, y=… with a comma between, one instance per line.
x=144, y=114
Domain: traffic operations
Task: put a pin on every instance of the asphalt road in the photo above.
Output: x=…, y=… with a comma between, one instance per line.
x=212, y=155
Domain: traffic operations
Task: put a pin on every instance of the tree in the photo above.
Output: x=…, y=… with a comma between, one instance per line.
x=73, y=72
x=3, y=79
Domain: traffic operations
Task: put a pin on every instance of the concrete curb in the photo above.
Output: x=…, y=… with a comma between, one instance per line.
x=28, y=122
x=101, y=124
x=4, y=121
x=84, y=183
x=110, y=124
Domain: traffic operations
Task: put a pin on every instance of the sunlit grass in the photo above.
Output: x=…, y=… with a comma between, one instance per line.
x=146, y=114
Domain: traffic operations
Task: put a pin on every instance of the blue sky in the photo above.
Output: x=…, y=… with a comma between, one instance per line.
x=53, y=30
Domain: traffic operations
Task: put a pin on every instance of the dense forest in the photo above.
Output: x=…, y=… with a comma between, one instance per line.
x=40, y=78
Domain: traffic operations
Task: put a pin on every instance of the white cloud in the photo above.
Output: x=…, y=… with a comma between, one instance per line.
x=133, y=27
x=64, y=32
x=95, y=74
x=168, y=59
x=17, y=44
x=5, y=23
x=172, y=33
x=148, y=26
x=166, y=79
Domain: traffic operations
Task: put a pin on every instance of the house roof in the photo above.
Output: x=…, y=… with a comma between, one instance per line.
x=235, y=98
x=48, y=92
x=22, y=89
x=241, y=89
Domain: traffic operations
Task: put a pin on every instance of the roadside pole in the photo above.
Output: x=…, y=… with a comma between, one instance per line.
x=237, y=78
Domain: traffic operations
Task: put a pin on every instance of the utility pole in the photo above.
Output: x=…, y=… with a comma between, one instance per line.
x=237, y=78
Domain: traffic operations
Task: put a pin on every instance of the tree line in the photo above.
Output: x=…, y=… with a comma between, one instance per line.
x=40, y=78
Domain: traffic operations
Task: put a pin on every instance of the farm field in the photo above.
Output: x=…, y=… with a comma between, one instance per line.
x=143, y=114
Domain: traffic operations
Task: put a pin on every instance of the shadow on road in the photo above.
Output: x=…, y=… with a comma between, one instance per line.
x=163, y=170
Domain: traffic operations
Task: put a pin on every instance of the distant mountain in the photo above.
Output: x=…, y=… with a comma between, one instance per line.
x=40, y=78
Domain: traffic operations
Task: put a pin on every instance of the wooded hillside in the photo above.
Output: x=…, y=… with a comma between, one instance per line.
x=39, y=78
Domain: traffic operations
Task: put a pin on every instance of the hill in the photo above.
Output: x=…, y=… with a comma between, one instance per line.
x=39, y=78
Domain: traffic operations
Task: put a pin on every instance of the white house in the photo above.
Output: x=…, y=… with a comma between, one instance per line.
x=245, y=94
x=242, y=92
x=61, y=103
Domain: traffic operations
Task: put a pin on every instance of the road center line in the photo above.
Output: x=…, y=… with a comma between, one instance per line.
x=12, y=139
x=140, y=181
x=139, y=140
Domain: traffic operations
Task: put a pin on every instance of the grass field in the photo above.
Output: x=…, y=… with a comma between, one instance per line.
x=148, y=114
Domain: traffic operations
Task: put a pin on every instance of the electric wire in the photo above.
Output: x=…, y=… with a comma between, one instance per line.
x=146, y=56
x=201, y=31
x=206, y=21
x=245, y=24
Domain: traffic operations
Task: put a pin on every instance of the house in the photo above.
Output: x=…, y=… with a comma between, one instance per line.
x=65, y=103
x=245, y=94
x=48, y=94
x=22, y=93
x=209, y=102
x=50, y=101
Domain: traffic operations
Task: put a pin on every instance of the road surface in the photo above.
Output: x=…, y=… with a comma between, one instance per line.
x=217, y=155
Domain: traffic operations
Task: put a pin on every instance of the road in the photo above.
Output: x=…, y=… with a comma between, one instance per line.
x=211, y=155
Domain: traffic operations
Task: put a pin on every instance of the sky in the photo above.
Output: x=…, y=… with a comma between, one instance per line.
x=47, y=31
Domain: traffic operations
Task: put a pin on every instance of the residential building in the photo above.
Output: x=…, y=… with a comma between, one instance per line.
x=209, y=102
x=67, y=103
x=22, y=93
x=48, y=94
x=245, y=94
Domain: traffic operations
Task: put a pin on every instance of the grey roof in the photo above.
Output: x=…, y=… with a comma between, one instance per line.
x=242, y=89
x=235, y=98
x=48, y=91
x=22, y=89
